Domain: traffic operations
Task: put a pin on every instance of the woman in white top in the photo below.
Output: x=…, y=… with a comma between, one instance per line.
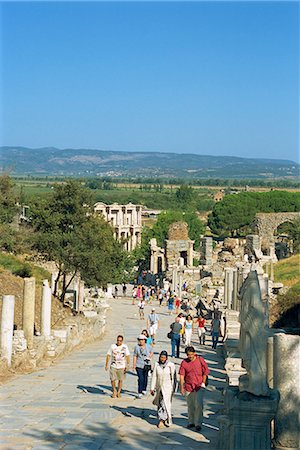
x=188, y=330
x=182, y=323
x=163, y=385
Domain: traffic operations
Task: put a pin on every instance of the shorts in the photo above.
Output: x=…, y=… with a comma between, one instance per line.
x=116, y=374
x=153, y=329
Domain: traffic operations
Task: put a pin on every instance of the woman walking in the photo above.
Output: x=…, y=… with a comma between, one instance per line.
x=141, y=305
x=171, y=304
x=142, y=355
x=201, y=329
x=148, y=338
x=163, y=385
x=188, y=331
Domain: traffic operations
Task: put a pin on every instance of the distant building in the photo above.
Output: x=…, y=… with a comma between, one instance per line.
x=126, y=221
x=219, y=195
x=150, y=213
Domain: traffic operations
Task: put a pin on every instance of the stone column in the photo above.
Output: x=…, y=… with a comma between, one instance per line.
x=174, y=279
x=228, y=287
x=7, y=327
x=235, y=290
x=80, y=295
x=190, y=259
x=28, y=310
x=46, y=310
x=206, y=251
x=133, y=239
x=180, y=282
x=287, y=382
x=155, y=263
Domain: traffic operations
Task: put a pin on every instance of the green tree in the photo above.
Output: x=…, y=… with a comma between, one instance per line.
x=8, y=207
x=295, y=235
x=165, y=219
x=141, y=254
x=235, y=213
x=67, y=232
x=186, y=197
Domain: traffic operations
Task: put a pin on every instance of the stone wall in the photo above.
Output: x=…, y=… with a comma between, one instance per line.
x=76, y=331
x=178, y=231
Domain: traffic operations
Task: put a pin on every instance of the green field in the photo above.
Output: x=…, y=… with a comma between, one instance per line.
x=150, y=197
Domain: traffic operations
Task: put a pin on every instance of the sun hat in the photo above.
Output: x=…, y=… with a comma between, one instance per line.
x=142, y=336
x=152, y=309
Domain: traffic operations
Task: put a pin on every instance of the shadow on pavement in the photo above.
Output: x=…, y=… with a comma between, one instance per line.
x=91, y=389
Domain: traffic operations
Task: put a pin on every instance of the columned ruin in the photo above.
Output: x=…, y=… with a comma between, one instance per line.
x=126, y=221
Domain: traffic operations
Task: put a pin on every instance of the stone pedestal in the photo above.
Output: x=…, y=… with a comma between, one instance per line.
x=28, y=310
x=287, y=382
x=206, y=251
x=19, y=342
x=7, y=327
x=46, y=310
x=248, y=421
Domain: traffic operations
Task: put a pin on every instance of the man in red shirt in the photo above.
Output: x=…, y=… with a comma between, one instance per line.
x=193, y=374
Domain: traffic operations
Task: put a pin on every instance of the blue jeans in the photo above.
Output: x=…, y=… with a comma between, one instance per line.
x=175, y=342
x=215, y=339
x=142, y=379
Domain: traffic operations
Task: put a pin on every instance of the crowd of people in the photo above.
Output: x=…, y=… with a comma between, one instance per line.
x=193, y=371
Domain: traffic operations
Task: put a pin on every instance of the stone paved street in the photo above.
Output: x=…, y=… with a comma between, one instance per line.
x=68, y=406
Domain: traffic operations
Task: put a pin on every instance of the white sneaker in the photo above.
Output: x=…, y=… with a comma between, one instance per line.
x=139, y=395
x=144, y=392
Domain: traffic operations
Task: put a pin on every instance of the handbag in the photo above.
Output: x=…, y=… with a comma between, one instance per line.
x=170, y=335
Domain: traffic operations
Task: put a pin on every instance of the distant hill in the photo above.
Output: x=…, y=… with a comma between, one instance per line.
x=86, y=162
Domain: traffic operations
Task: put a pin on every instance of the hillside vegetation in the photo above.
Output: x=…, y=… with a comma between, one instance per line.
x=287, y=308
x=12, y=284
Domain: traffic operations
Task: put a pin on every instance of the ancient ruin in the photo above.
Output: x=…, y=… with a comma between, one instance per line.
x=126, y=220
x=267, y=223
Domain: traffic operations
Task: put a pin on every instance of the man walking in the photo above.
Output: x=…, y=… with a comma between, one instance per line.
x=120, y=360
x=153, y=324
x=176, y=328
x=193, y=374
x=215, y=331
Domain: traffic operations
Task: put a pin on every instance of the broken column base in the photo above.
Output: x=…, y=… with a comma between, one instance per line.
x=246, y=422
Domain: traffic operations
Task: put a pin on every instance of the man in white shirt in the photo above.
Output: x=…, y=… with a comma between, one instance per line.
x=120, y=360
x=153, y=324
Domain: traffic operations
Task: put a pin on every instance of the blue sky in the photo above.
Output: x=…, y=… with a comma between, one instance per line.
x=212, y=78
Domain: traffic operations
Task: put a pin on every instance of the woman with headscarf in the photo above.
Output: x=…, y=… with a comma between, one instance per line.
x=163, y=385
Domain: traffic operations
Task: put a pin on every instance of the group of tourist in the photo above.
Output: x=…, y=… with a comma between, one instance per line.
x=193, y=374
x=193, y=369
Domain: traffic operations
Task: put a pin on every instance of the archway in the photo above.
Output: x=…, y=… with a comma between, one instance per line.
x=267, y=224
x=283, y=240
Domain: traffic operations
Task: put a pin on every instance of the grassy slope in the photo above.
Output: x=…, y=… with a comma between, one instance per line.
x=287, y=271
